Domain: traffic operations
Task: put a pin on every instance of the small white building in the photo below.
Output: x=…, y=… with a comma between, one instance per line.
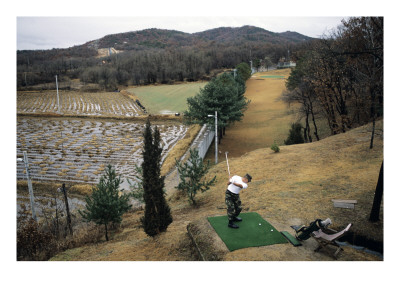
x=286, y=64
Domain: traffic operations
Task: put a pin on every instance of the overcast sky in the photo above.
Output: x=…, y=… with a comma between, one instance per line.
x=63, y=32
x=47, y=24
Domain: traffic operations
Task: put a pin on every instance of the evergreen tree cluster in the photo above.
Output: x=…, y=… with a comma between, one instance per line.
x=157, y=215
x=224, y=94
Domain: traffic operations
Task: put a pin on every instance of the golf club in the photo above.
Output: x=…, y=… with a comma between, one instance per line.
x=226, y=155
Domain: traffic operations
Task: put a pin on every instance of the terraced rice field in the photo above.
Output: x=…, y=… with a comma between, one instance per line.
x=78, y=150
x=74, y=103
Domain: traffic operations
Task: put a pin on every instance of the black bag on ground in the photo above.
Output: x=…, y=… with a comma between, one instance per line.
x=304, y=232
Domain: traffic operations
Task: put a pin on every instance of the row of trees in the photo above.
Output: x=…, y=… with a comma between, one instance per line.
x=147, y=68
x=340, y=77
x=143, y=66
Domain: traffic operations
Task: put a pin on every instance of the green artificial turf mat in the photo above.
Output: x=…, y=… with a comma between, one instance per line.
x=249, y=234
x=291, y=238
x=272, y=76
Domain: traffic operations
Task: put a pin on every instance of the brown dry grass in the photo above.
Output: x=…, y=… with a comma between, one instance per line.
x=267, y=118
x=49, y=188
x=292, y=187
x=154, y=119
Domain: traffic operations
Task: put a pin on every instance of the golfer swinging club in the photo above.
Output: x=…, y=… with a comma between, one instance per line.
x=232, y=199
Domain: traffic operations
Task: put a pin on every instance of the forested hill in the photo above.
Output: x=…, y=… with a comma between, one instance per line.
x=160, y=38
x=144, y=39
x=156, y=55
x=250, y=34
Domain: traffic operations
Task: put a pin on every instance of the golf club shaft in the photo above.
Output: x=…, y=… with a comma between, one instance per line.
x=229, y=172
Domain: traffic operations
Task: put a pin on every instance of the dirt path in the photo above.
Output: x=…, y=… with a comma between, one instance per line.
x=171, y=181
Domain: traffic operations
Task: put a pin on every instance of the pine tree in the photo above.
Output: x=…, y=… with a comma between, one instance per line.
x=244, y=70
x=105, y=205
x=223, y=94
x=295, y=136
x=157, y=215
x=191, y=173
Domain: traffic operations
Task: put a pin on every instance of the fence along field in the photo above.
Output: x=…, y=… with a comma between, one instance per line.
x=76, y=150
x=74, y=103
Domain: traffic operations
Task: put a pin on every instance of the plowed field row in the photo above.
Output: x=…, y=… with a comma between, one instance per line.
x=73, y=103
x=79, y=150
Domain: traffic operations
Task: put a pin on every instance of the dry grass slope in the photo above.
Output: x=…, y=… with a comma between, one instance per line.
x=294, y=186
x=267, y=118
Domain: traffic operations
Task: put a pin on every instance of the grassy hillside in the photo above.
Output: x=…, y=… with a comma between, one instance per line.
x=166, y=99
x=267, y=118
x=292, y=187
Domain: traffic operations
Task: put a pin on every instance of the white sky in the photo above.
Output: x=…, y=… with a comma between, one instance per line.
x=45, y=24
x=63, y=32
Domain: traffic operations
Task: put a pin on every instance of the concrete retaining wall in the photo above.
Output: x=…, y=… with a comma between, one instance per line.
x=202, y=142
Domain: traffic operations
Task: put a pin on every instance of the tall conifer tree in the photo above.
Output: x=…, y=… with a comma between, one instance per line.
x=157, y=214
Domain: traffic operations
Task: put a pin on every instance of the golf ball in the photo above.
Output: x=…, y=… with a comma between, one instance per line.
x=272, y=230
x=259, y=224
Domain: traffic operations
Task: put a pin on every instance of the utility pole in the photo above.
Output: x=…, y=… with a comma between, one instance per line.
x=58, y=98
x=67, y=208
x=29, y=185
x=216, y=135
x=251, y=67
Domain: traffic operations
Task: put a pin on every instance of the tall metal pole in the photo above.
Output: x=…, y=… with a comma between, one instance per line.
x=216, y=137
x=30, y=186
x=58, y=98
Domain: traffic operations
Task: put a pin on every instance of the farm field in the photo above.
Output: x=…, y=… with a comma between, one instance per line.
x=74, y=103
x=166, y=99
x=78, y=150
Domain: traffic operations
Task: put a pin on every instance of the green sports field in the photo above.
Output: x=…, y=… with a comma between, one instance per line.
x=166, y=99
